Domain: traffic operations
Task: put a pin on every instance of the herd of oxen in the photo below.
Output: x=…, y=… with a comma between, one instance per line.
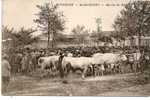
x=98, y=64
x=91, y=61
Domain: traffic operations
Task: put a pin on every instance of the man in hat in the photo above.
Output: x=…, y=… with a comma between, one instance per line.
x=61, y=70
x=60, y=64
x=6, y=69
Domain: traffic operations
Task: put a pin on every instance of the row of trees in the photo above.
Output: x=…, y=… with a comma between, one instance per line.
x=133, y=20
x=51, y=23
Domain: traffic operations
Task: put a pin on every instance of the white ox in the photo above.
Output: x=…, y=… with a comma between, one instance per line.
x=44, y=62
x=78, y=62
x=109, y=58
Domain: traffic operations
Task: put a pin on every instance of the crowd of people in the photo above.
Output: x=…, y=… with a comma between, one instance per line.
x=25, y=61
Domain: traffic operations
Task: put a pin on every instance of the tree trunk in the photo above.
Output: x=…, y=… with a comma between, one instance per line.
x=52, y=37
x=48, y=40
x=48, y=32
x=131, y=39
x=123, y=45
x=52, y=46
x=139, y=41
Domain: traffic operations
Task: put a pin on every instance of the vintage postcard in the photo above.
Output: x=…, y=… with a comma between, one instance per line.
x=75, y=48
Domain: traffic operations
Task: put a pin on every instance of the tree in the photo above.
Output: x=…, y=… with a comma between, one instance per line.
x=101, y=37
x=134, y=20
x=50, y=21
x=81, y=33
x=78, y=30
x=25, y=36
x=18, y=38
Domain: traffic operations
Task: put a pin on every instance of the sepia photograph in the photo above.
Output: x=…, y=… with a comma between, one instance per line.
x=75, y=48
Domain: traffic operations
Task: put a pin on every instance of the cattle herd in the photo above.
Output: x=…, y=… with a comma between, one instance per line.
x=87, y=61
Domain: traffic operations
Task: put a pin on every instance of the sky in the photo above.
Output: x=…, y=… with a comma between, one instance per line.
x=20, y=13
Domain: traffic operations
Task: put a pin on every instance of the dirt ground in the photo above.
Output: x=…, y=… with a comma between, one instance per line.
x=116, y=85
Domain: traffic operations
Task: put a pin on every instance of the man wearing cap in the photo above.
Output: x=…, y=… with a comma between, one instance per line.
x=5, y=72
x=60, y=65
